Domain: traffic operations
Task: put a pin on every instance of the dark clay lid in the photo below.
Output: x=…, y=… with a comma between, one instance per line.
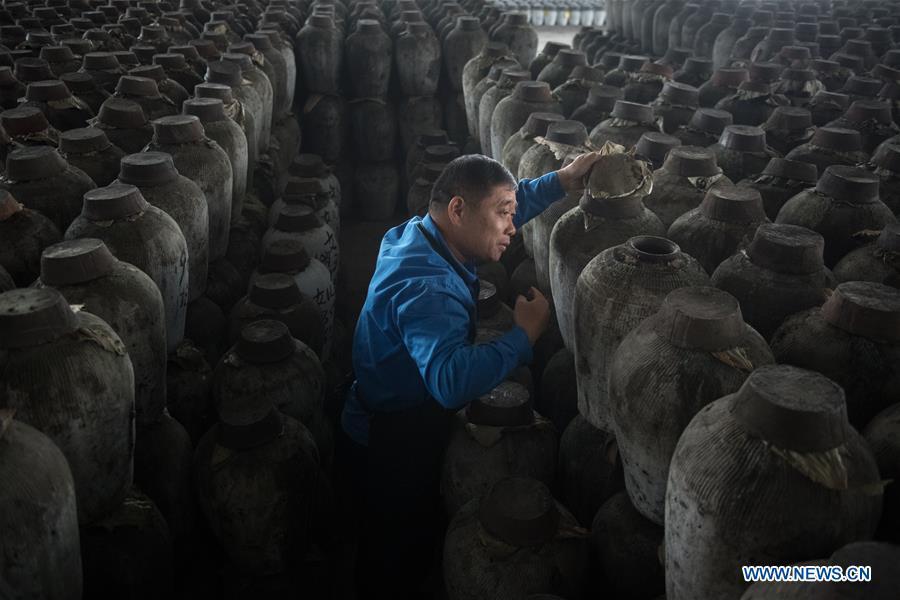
x=112, y=203
x=214, y=90
x=323, y=21
x=532, y=91
x=765, y=72
x=248, y=49
x=572, y=133
x=297, y=217
x=664, y=71
x=32, y=69
x=806, y=31
x=78, y=82
x=700, y=318
x=886, y=73
x=275, y=290
x=100, y=61
x=790, y=117
x=711, y=120
x=781, y=35
x=224, y=72
x=57, y=54
x=698, y=66
x=551, y=48
x=787, y=249
x=83, y=140
x=829, y=28
x=837, y=139
x=122, y=114
x=730, y=77
x=680, y=93
x=309, y=165
x=242, y=60
x=62, y=30
x=494, y=49
x=733, y=204
x=143, y=55
x=441, y=153
x=676, y=56
x=887, y=156
x=507, y=405
x=132, y=85
x=154, y=72
x=538, y=122
x=824, y=66
x=654, y=146
x=854, y=63
x=265, y=342
x=75, y=261
x=206, y=49
x=284, y=256
x=298, y=188
x=570, y=58
x=631, y=63
x=432, y=137
x=865, y=110
x=792, y=74
x=97, y=35
x=892, y=57
x=208, y=110
x=178, y=129
x=855, y=185
x=604, y=96
x=188, y=51
x=170, y=61
x=260, y=41
x=864, y=308
x=792, y=409
x=33, y=316
x=878, y=35
x=610, y=60
x=691, y=161
x=520, y=512
x=743, y=138
x=147, y=169
x=29, y=163
x=862, y=86
x=47, y=91
x=586, y=73
x=792, y=169
x=795, y=52
x=858, y=47
x=632, y=111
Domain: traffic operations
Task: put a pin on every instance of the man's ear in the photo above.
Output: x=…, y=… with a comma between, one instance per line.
x=455, y=209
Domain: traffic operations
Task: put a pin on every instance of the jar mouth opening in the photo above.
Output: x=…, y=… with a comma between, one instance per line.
x=654, y=248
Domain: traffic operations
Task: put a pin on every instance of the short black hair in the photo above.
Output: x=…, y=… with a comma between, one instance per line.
x=471, y=176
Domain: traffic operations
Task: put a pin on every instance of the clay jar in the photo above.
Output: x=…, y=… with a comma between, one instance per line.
x=254, y=79
x=87, y=274
x=877, y=261
x=680, y=185
x=724, y=222
x=104, y=69
x=326, y=124
x=627, y=122
x=319, y=52
x=512, y=112
x=160, y=183
x=704, y=127
x=843, y=203
x=780, y=273
x=545, y=57
x=300, y=222
x=520, y=37
x=276, y=296
x=25, y=126
x=491, y=98
x=62, y=109
x=310, y=192
x=831, y=146
x=85, y=89
x=230, y=137
x=646, y=85
x=86, y=409
x=872, y=119
x=229, y=73
x=518, y=143
x=276, y=68
x=799, y=85
x=312, y=278
x=41, y=516
x=178, y=70
x=124, y=123
x=742, y=151
x=853, y=340
x=675, y=105
x=617, y=290
x=609, y=213
x=268, y=365
x=724, y=82
x=699, y=340
x=781, y=180
x=311, y=166
x=787, y=128
x=752, y=437
x=42, y=180
x=695, y=71
x=60, y=59
x=144, y=236
x=599, y=103
x=575, y=91
x=463, y=42
x=24, y=233
x=492, y=549
x=558, y=70
x=90, y=150
x=203, y=161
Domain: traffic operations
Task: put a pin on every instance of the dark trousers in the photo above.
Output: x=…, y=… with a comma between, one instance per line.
x=402, y=517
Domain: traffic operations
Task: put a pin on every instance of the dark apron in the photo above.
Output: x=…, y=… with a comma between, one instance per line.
x=403, y=517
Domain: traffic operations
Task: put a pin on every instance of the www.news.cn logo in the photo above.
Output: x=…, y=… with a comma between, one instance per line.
x=808, y=573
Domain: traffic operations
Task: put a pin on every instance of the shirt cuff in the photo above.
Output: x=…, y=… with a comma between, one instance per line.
x=554, y=186
x=519, y=340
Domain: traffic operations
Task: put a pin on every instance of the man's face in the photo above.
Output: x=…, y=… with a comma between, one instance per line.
x=486, y=229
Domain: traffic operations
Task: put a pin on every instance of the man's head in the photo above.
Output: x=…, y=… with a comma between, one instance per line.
x=474, y=202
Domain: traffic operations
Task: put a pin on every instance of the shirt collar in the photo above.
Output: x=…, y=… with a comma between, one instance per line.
x=467, y=267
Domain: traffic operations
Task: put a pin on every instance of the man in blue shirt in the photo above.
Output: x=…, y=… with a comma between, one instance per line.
x=415, y=361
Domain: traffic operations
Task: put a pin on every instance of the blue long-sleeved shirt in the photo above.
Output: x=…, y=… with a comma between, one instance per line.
x=411, y=340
